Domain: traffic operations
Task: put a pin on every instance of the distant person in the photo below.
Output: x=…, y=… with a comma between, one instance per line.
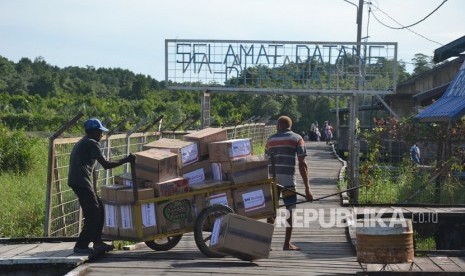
x=81, y=165
x=328, y=131
x=285, y=145
x=317, y=135
x=305, y=135
x=313, y=132
x=415, y=153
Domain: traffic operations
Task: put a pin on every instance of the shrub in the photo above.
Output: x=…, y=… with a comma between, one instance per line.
x=16, y=153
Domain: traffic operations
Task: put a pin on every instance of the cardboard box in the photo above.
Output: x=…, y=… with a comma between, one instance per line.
x=125, y=196
x=248, y=169
x=170, y=187
x=110, y=228
x=226, y=150
x=197, y=173
x=254, y=202
x=203, y=200
x=125, y=179
x=186, y=151
x=108, y=192
x=156, y=165
x=217, y=171
x=176, y=214
x=205, y=136
x=207, y=199
x=242, y=170
x=133, y=228
x=242, y=237
x=210, y=184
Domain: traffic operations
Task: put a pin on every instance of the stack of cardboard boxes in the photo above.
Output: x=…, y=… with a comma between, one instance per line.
x=169, y=167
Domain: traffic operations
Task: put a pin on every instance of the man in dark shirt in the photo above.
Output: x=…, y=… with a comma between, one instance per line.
x=82, y=162
x=285, y=145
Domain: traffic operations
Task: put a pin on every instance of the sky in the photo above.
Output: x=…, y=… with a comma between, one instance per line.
x=130, y=34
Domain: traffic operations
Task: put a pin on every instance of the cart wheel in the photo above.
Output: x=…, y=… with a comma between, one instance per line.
x=164, y=244
x=204, y=226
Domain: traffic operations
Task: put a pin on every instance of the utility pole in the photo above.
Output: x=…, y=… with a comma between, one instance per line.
x=354, y=145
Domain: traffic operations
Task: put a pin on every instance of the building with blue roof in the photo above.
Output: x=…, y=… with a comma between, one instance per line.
x=451, y=106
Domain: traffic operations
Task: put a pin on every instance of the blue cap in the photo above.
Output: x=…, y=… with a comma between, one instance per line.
x=94, y=124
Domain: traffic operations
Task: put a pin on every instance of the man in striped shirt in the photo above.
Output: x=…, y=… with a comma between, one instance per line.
x=285, y=145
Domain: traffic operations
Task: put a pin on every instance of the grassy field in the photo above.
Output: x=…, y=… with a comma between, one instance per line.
x=22, y=207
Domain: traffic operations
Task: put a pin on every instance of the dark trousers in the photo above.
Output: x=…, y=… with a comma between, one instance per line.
x=94, y=216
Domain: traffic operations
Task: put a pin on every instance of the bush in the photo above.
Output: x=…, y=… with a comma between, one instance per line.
x=22, y=209
x=16, y=151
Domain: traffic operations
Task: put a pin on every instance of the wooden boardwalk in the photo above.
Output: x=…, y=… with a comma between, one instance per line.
x=326, y=249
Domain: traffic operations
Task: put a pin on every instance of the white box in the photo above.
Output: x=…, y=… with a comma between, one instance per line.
x=111, y=215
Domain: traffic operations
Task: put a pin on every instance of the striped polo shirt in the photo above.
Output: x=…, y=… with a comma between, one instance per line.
x=285, y=145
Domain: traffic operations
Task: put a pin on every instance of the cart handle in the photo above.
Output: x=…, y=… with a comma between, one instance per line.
x=316, y=199
x=134, y=183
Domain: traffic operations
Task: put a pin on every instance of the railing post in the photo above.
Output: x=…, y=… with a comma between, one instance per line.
x=50, y=171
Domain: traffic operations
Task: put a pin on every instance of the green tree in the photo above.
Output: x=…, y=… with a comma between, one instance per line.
x=421, y=63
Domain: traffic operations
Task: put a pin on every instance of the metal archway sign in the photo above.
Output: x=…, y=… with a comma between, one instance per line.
x=280, y=67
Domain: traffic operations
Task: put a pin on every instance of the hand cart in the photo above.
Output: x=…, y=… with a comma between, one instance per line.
x=204, y=218
x=202, y=225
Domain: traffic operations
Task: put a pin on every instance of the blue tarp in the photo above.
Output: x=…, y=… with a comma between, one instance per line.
x=451, y=106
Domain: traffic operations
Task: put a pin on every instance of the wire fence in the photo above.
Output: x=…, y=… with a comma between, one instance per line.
x=63, y=213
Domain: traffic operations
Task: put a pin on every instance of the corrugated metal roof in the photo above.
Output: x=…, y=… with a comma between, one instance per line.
x=451, y=106
x=452, y=49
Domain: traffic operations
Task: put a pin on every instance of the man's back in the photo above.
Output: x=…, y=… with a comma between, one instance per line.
x=285, y=145
x=82, y=161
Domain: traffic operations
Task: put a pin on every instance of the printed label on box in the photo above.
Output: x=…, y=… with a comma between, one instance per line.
x=177, y=211
x=110, y=215
x=216, y=231
x=148, y=215
x=219, y=199
x=126, y=216
x=240, y=148
x=253, y=200
x=195, y=177
x=216, y=170
x=127, y=182
x=189, y=154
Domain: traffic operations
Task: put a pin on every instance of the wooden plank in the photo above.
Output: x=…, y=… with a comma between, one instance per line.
x=445, y=263
x=50, y=249
x=425, y=264
x=459, y=261
x=8, y=247
x=375, y=267
x=19, y=250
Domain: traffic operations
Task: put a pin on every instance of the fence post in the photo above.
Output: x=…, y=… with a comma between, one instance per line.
x=108, y=156
x=50, y=170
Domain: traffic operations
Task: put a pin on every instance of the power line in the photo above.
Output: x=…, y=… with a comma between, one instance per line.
x=404, y=27
x=376, y=18
x=413, y=24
